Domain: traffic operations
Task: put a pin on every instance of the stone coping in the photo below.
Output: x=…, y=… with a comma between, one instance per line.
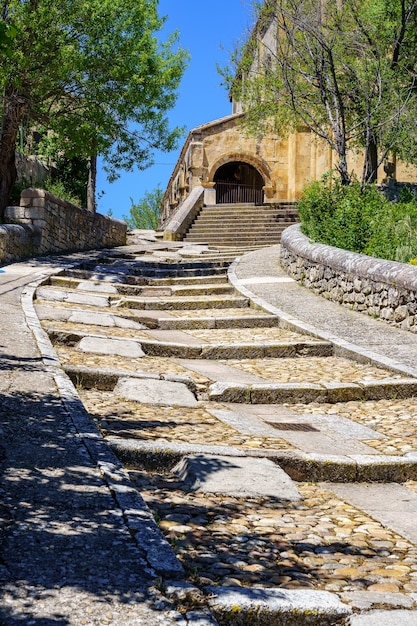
x=392, y=273
x=380, y=288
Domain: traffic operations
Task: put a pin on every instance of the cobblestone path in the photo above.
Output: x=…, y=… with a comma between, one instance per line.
x=172, y=363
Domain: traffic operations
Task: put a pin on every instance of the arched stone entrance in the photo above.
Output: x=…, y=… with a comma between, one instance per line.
x=238, y=182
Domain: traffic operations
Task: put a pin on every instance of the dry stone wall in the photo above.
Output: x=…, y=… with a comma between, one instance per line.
x=43, y=224
x=384, y=289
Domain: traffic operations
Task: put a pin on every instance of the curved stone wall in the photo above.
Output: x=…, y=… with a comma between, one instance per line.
x=384, y=289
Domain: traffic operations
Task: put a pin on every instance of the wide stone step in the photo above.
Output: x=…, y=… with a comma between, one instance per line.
x=174, y=343
x=169, y=289
x=174, y=303
x=52, y=294
x=82, y=275
x=310, y=392
x=240, y=229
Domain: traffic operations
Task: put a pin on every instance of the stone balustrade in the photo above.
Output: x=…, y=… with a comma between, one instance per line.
x=380, y=288
x=44, y=224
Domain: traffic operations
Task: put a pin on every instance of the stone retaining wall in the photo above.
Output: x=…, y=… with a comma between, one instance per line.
x=43, y=224
x=384, y=289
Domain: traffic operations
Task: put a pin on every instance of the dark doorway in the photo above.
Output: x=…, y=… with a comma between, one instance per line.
x=238, y=182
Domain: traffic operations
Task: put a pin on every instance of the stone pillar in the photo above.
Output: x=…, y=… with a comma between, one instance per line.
x=209, y=194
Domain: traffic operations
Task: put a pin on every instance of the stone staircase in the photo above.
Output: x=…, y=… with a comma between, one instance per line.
x=243, y=225
x=229, y=423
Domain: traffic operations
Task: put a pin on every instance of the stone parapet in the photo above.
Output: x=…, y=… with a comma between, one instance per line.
x=43, y=224
x=180, y=220
x=380, y=288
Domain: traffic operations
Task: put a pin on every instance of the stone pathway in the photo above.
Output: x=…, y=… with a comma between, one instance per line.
x=253, y=444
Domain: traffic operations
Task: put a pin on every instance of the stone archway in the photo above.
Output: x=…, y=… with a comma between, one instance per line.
x=238, y=179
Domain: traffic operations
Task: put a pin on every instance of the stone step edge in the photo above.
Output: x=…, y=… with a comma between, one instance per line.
x=105, y=379
x=258, y=605
x=342, y=347
x=123, y=288
x=300, y=466
x=234, y=605
x=277, y=393
x=208, y=351
x=185, y=323
x=179, y=302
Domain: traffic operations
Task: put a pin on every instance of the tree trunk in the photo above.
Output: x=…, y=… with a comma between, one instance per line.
x=343, y=171
x=370, y=166
x=13, y=111
x=8, y=175
x=91, y=186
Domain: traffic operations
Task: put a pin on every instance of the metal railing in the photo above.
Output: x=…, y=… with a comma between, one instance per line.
x=231, y=193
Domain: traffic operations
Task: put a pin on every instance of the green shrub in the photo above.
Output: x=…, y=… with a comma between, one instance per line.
x=359, y=219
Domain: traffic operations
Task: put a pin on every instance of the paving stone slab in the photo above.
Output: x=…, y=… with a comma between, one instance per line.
x=365, y=600
x=111, y=346
x=53, y=313
x=300, y=431
x=259, y=607
x=159, y=392
x=87, y=285
x=240, y=477
x=62, y=295
x=392, y=504
x=175, y=336
x=384, y=618
x=219, y=372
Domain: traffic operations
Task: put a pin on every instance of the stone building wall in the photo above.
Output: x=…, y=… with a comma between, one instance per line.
x=383, y=289
x=43, y=224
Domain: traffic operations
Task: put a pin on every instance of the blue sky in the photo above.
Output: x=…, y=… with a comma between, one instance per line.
x=208, y=30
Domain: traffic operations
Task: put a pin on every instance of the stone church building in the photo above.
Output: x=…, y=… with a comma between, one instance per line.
x=221, y=164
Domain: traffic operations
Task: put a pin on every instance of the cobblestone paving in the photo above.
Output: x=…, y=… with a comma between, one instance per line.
x=321, y=542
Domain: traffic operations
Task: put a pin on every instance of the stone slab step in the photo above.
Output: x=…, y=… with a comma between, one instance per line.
x=86, y=316
x=106, y=379
x=299, y=466
x=172, y=271
x=185, y=346
x=308, y=392
x=189, y=303
x=214, y=240
x=240, y=477
x=265, y=607
x=155, y=392
x=165, y=321
x=53, y=294
x=191, y=280
x=203, y=288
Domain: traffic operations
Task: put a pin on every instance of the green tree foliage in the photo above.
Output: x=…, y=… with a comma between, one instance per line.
x=94, y=75
x=145, y=214
x=345, y=70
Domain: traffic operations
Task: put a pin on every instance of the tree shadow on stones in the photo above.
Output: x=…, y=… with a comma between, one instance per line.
x=60, y=527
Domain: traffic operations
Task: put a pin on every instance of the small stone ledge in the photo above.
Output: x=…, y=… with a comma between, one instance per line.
x=258, y=607
x=300, y=466
x=293, y=393
x=380, y=288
